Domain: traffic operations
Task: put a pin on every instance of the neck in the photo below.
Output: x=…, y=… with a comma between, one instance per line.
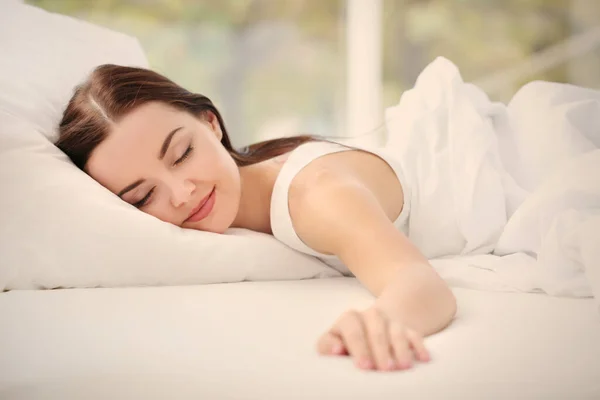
x=257, y=182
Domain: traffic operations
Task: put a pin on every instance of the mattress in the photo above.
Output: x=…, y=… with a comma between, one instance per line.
x=256, y=340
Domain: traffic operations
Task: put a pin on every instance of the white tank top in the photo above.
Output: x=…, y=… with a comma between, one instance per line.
x=281, y=221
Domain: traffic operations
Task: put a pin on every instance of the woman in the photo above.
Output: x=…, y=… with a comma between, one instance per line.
x=166, y=151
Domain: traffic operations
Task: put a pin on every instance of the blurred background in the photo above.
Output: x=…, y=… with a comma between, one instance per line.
x=330, y=67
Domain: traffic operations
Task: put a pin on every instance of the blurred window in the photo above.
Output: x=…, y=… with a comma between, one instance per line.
x=330, y=67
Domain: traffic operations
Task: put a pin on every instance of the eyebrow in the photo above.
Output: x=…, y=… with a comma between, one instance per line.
x=167, y=142
x=131, y=187
x=161, y=155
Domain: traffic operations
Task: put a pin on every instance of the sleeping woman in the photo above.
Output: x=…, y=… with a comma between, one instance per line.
x=166, y=151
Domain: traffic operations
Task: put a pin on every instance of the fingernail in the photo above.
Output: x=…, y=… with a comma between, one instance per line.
x=337, y=349
x=405, y=364
x=391, y=364
x=365, y=363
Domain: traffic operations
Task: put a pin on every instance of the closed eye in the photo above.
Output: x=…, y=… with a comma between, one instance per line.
x=145, y=200
x=185, y=155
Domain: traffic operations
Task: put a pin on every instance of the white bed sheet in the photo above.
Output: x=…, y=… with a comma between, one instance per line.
x=255, y=340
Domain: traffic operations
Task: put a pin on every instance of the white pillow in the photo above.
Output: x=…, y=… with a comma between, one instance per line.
x=58, y=227
x=44, y=55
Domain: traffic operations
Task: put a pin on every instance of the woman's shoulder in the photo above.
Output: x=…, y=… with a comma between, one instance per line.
x=329, y=164
x=314, y=176
x=292, y=162
x=313, y=160
x=310, y=161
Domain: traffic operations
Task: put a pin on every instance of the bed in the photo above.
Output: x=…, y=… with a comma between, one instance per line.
x=98, y=300
x=256, y=340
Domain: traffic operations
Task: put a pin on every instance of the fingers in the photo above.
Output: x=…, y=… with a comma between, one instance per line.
x=378, y=337
x=374, y=341
x=330, y=344
x=418, y=346
x=400, y=345
x=351, y=329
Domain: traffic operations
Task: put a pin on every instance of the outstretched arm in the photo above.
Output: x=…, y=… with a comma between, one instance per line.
x=335, y=212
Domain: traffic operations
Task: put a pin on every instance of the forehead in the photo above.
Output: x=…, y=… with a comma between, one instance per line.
x=133, y=144
x=151, y=121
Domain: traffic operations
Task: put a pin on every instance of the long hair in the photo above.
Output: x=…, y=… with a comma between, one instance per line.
x=112, y=91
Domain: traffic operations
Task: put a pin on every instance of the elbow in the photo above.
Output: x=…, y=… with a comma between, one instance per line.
x=443, y=305
x=445, y=300
x=452, y=304
x=448, y=307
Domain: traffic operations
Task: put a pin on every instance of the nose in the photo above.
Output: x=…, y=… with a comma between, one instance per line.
x=182, y=192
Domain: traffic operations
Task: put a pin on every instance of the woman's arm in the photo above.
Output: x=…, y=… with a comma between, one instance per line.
x=335, y=212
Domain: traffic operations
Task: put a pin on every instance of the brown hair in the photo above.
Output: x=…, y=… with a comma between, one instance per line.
x=112, y=91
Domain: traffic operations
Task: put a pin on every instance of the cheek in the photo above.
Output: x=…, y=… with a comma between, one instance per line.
x=163, y=212
x=231, y=173
x=229, y=182
x=217, y=165
x=229, y=195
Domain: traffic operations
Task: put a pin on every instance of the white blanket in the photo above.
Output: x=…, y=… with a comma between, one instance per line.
x=521, y=181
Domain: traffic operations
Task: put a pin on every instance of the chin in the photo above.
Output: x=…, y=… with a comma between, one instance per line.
x=212, y=228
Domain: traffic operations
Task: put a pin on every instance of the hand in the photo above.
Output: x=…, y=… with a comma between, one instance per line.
x=374, y=340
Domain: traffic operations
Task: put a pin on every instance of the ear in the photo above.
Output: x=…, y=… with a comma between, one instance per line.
x=213, y=122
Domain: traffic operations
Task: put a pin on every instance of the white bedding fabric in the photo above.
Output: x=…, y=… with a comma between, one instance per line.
x=60, y=228
x=255, y=340
x=522, y=180
x=478, y=169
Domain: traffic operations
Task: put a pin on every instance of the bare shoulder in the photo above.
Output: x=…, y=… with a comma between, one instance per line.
x=352, y=167
x=339, y=192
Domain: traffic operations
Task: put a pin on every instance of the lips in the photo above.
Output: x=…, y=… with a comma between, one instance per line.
x=203, y=208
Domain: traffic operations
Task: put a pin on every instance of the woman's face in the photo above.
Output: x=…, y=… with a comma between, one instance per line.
x=167, y=162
